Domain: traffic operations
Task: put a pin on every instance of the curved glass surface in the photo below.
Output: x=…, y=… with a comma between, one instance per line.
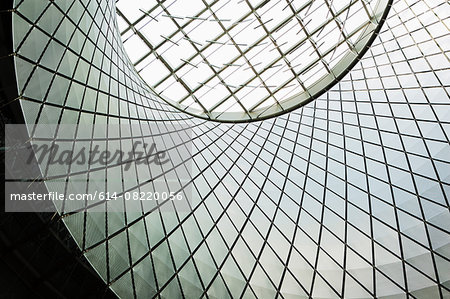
x=240, y=60
x=347, y=196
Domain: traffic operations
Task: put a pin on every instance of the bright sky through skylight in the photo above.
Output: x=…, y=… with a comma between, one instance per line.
x=240, y=60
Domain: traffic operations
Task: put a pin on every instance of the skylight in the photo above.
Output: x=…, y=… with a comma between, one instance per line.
x=243, y=60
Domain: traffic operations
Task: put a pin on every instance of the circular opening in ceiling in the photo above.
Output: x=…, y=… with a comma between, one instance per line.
x=242, y=60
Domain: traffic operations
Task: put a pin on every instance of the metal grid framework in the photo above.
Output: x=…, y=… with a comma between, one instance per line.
x=245, y=60
x=347, y=196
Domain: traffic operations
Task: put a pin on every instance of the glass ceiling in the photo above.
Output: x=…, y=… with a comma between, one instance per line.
x=347, y=197
x=243, y=60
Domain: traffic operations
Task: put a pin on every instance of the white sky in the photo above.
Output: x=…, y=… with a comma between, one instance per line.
x=223, y=56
